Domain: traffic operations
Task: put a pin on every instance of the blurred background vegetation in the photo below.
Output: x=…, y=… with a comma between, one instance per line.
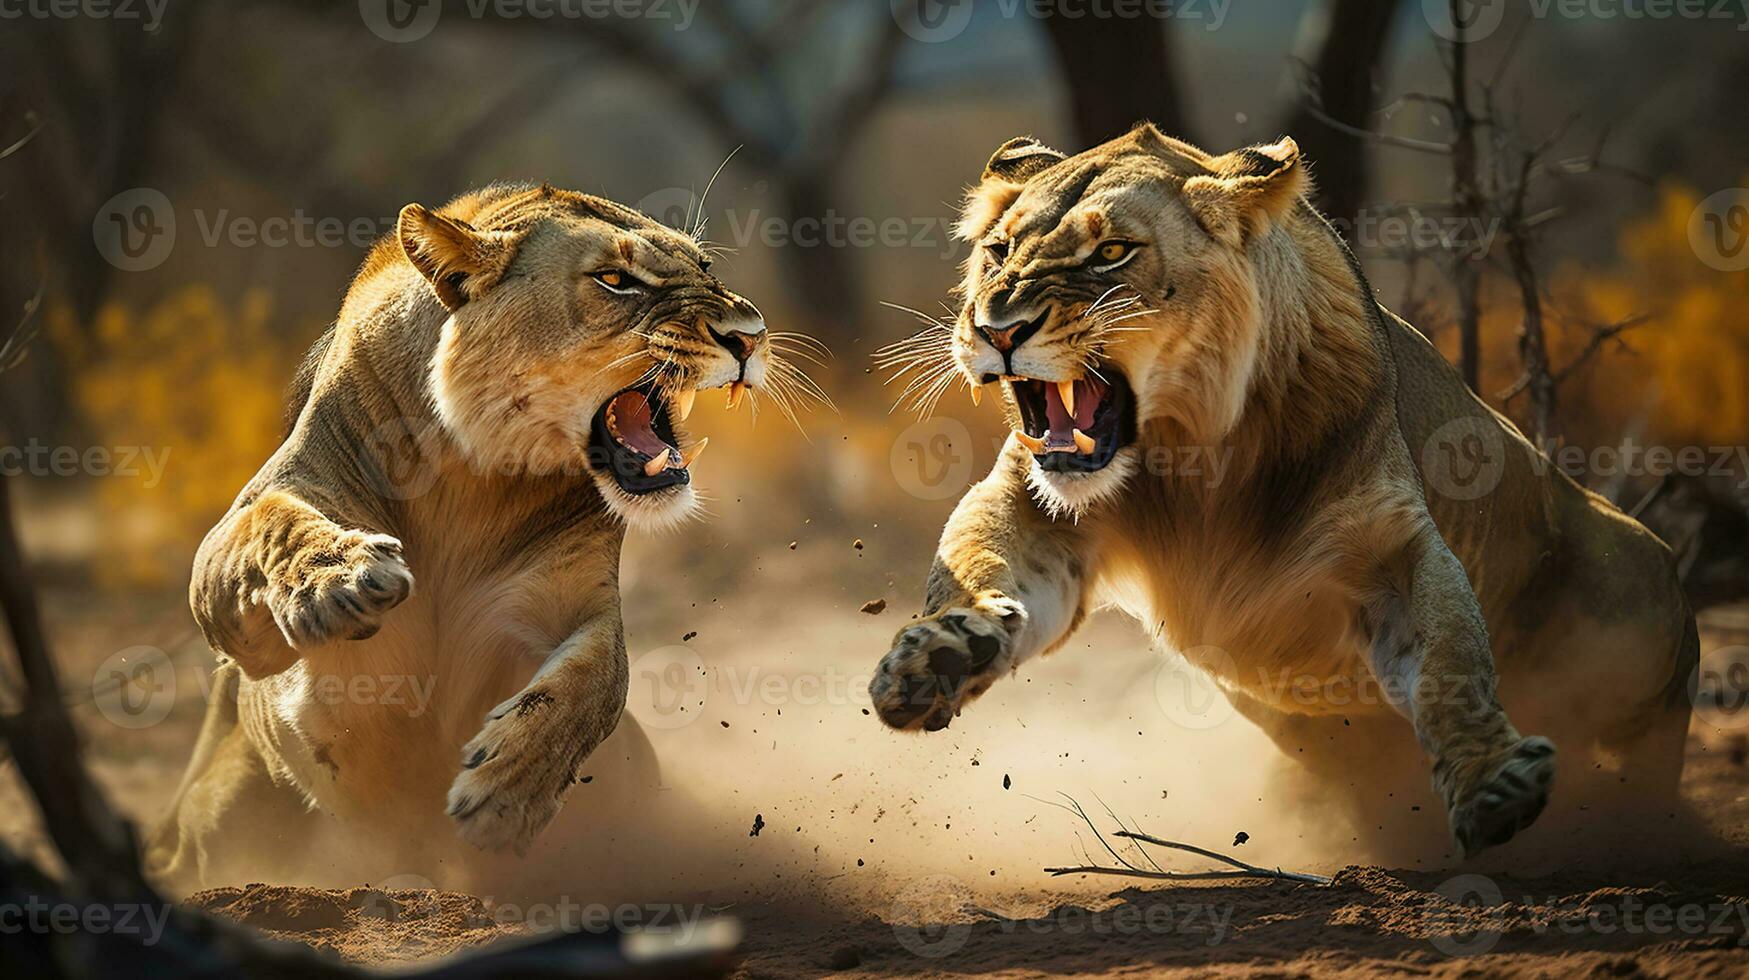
x=244, y=113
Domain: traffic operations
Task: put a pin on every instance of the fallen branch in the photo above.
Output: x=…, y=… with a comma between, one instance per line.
x=1127, y=869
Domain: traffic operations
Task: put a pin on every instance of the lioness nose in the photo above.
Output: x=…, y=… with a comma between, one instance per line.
x=739, y=343
x=1007, y=337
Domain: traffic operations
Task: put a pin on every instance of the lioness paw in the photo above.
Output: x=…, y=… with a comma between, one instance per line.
x=342, y=590
x=940, y=662
x=1509, y=797
x=513, y=775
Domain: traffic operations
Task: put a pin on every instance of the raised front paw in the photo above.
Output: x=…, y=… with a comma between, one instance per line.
x=514, y=773
x=1512, y=790
x=340, y=590
x=940, y=662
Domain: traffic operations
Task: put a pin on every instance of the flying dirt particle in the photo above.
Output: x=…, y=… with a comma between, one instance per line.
x=865, y=711
x=857, y=544
x=792, y=546
x=836, y=778
x=1240, y=838
x=758, y=824
x=859, y=862
x=689, y=636
x=587, y=779
x=724, y=724
x=845, y=958
x=874, y=607
x=1006, y=782
x=975, y=761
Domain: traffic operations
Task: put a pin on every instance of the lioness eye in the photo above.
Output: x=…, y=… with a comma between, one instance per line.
x=616, y=281
x=998, y=251
x=1110, y=255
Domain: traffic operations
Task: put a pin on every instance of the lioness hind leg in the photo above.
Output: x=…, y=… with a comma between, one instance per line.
x=230, y=821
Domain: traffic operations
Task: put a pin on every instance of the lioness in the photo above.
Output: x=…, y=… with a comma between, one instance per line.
x=417, y=599
x=1373, y=522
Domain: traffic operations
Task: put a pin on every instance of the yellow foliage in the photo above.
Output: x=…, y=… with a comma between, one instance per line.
x=189, y=380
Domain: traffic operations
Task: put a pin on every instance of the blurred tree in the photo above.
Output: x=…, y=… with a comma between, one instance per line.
x=1118, y=75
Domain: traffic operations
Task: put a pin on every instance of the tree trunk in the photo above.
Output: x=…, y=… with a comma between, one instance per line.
x=1344, y=84
x=1119, y=72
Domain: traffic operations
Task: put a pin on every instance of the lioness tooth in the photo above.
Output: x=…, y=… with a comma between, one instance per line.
x=1033, y=445
x=1084, y=442
x=736, y=390
x=977, y=395
x=657, y=464
x=692, y=454
x=1066, y=391
x=683, y=400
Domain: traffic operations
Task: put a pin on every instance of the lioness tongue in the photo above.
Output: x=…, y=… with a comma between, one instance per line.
x=630, y=414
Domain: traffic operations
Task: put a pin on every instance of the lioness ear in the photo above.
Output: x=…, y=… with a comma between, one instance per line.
x=1011, y=166
x=1248, y=189
x=460, y=262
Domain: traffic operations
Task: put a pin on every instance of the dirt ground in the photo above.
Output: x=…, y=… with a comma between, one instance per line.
x=884, y=855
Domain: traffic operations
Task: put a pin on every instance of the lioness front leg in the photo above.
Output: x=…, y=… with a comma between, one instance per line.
x=1007, y=584
x=1430, y=651
x=528, y=752
x=277, y=577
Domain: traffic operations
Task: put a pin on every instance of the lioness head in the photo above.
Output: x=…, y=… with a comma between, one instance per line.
x=580, y=332
x=1114, y=292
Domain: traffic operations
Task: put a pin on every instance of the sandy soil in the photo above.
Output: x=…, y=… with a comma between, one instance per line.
x=887, y=855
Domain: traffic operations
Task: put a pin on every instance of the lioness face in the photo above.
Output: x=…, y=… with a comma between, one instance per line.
x=588, y=347
x=1109, y=293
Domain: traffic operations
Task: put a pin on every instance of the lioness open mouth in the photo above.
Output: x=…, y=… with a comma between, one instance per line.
x=1075, y=426
x=632, y=437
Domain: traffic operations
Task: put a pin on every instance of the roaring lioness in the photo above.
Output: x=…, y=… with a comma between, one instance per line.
x=417, y=598
x=1372, y=523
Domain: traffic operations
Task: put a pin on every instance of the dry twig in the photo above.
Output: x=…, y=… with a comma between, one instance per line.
x=1129, y=869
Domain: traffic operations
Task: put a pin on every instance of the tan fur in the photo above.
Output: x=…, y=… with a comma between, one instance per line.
x=416, y=599
x=1324, y=555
